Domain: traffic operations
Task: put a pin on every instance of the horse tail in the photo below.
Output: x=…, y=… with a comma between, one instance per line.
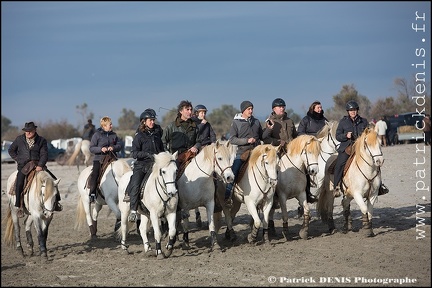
x=77, y=150
x=9, y=238
x=325, y=202
x=80, y=214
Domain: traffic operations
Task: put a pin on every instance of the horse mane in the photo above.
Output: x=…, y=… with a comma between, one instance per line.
x=208, y=152
x=324, y=131
x=369, y=136
x=43, y=177
x=296, y=146
x=162, y=159
x=268, y=149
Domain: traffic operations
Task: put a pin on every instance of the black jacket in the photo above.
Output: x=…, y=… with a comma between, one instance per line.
x=347, y=125
x=311, y=124
x=19, y=151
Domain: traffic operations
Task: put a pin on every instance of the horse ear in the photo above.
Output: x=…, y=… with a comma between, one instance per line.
x=175, y=155
x=217, y=144
x=56, y=182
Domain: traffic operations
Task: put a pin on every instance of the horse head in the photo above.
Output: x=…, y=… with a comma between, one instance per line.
x=369, y=147
x=265, y=156
x=224, y=157
x=309, y=148
x=165, y=163
x=45, y=195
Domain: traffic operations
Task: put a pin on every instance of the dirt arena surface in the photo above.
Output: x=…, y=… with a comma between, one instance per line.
x=400, y=250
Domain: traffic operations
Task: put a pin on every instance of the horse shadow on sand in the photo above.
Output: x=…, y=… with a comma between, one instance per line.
x=385, y=220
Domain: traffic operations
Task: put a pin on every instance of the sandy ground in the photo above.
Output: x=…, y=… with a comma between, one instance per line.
x=400, y=251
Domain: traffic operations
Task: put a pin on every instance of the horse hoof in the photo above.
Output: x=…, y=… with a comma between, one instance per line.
x=304, y=234
x=160, y=256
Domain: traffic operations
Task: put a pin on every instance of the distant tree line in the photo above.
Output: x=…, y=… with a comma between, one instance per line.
x=221, y=118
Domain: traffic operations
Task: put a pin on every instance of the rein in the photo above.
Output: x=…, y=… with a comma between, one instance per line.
x=366, y=147
x=329, y=137
x=307, y=160
x=215, y=162
x=265, y=177
x=164, y=189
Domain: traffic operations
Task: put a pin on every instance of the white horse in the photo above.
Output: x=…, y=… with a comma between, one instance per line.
x=301, y=159
x=197, y=187
x=84, y=147
x=255, y=188
x=361, y=182
x=108, y=195
x=39, y=202
x=329, y=145
x=160, y=197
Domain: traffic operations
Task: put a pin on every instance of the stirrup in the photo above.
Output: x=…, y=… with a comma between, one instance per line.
x=337, y=192
x=132, y=216
x=310, y=198
x=58, y=207
x=383, y=190
x=20, y=212
x=92, y=198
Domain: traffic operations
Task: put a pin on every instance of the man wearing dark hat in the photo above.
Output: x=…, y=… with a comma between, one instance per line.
x=29, y=147
x=246, y=132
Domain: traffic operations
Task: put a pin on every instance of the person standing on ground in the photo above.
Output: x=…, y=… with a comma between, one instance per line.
x=381, y=129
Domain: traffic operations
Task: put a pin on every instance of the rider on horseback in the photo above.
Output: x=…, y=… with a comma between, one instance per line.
x=146, y=143
x=246, y=132
x=350, y=127
x=30, y=148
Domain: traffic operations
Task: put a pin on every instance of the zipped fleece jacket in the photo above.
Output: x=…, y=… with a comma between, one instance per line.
x=243, y=129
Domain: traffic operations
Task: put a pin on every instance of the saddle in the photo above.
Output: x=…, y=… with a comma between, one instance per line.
x=27, y=183
x=244, y=157
x=182, y=161
x=107, y=160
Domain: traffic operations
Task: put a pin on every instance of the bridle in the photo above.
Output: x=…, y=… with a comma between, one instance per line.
x=307, y=160
x=215, y=163
x=265, y=176
x=163, y=186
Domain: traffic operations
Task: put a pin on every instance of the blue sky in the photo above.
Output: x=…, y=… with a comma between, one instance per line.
x=136, y=55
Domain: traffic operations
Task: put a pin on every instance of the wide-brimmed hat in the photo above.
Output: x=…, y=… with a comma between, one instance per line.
x=29, y=126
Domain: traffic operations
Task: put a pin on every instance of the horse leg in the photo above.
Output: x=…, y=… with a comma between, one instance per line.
x=16, y=231
x=347, y=215
x=367, y=221
x=257, y=222
x=157, y=235
x=213, y=236
x=304, y=231
x=271, y=226
x=29, y=237
x=171, y=218
x=284, y=211
x=198, y=217
x=144, y=228
x=93, y=226
x=42, y=232
x=266, y=211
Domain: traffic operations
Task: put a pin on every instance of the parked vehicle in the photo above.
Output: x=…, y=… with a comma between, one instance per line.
x=406, y=127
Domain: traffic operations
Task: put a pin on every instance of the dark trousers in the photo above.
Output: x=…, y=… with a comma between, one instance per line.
x=427, y=137
x=340, y=164
x=19, y=187
x=134, y=186
x=94, y=177
x=235, y=168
